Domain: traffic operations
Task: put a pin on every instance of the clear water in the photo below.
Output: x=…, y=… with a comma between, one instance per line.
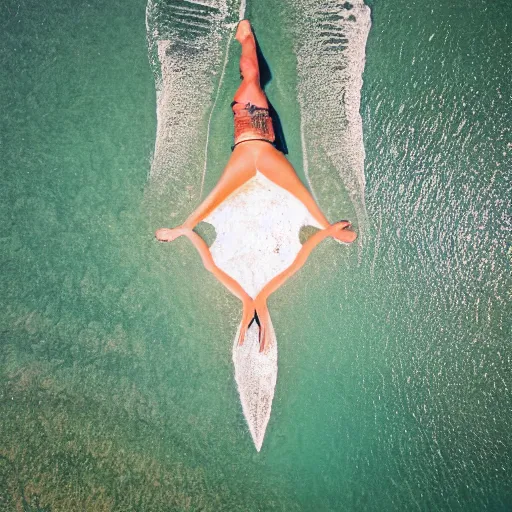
x=117, y=389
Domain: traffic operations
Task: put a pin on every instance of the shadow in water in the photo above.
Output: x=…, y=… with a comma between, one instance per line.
x=265, y=77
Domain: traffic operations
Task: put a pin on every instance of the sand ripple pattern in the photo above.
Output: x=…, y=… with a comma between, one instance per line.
x=187, y=41
x=330, y=45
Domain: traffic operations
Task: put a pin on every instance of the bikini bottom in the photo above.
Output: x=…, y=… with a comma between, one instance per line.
x=253, y=123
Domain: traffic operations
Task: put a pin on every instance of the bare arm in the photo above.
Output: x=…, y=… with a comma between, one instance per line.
x=231, y=284
x=239, y=169
x=301, y=258
x=340, y=231
x=206, y=256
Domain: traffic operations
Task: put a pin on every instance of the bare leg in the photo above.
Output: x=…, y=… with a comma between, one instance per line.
x=238, y=171
x=270, y=161
x=241, y=165
x=254, y=155
x=274, y=165
x=167, y=235
x=250, y=90
x=276, y=168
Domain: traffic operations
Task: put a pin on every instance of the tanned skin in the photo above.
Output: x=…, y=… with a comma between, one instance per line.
x=247, y=158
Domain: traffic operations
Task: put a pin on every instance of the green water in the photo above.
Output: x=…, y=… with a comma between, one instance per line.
x=117, y=389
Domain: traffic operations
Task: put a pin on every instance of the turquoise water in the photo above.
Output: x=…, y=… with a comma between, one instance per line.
x=117, y=388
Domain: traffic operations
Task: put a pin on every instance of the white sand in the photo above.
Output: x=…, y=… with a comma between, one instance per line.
x=258, y=232
x=257, y=238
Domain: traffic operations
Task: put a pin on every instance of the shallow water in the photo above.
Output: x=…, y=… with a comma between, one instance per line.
x=117, y=389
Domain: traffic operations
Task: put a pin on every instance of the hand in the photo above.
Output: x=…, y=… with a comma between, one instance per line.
x=168, y=235
x=247, y=318
x=264, y=321
x=341, y=231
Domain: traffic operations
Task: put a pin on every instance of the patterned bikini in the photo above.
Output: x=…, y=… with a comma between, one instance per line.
x=252, y=123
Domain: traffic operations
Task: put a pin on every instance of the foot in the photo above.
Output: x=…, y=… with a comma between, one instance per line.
x=243, y=31
x=168, y=235
x=341, y=231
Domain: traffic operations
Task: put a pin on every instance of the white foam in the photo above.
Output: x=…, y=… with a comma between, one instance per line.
x=241, y=12
x=330, y=44
x=305, y=161
x=256, y=377
x=185, y=64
